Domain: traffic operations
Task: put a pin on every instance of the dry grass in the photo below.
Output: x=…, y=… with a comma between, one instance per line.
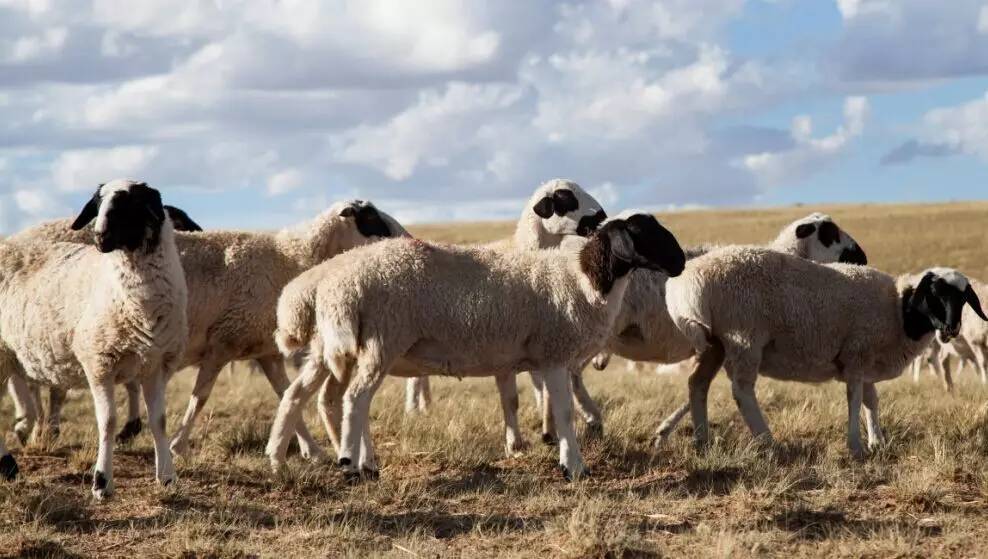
x=446, y=488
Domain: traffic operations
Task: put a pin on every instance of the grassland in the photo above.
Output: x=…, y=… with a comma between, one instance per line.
x=447, y=490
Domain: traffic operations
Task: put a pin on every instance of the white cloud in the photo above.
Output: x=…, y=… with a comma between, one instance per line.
x=285, y=181
x=31, y=48
x=80, y=170
x=809, y=154
x=886, y=41
x=947, y=131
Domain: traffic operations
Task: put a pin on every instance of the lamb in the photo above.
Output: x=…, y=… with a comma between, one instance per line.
x=457, y=311
x=558, y=210
x=763, y=312
x=72, y=314
x=27, y=400
x=645, y=332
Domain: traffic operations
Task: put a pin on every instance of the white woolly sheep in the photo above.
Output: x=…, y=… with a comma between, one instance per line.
x=558, y=210
x=73, y=313
x=763, y=312
x=402, y=307
x=234, y=279
x=645, y=332
x=27, y=399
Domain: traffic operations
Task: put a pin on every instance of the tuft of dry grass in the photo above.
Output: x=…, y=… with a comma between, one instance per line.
x=446, y=488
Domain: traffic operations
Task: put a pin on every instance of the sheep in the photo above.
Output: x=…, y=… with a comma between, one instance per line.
x=645, y=332
x=234, y=282
x=558, y=210
x=27, y=400
x=759, y=311
x=970, y=347
x=403, y=306
x=234, y=279
x=72, y=313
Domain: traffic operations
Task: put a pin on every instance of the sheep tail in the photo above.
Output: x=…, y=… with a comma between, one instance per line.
x=296, y=318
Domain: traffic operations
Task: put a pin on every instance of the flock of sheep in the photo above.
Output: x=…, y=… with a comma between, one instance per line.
x=133, y=290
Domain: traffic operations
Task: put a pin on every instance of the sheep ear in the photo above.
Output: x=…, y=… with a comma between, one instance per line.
x=348, y=212
x=922, y=290
x=181, y=220
x=829, y=233
x=88, y=213
x=805, y=230
x=972, y=299
x=622, y=247
x=543, y=208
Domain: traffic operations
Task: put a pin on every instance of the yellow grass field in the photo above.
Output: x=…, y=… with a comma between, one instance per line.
x=446, y=488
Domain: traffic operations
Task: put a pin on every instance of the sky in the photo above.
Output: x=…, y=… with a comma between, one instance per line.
x=259, y=114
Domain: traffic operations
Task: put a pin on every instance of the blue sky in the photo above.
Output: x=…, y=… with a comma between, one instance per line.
x=261, y=113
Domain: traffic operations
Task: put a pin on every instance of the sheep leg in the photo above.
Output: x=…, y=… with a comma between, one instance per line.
x=855, y=394
x=670, y=422
x=274, y=370
x=743, y=370
x=514, y=441
x=559, y=393
x=133, y=426
x=542, y=405
x=25, y=407
x=870, y=399
x=942, y=368
x=587, y=407
x=154, y=399
x=704, y=371
x=56, y=399
x=412, y=395
x=309, y=379
x=8, y=466
x=106, y=422
x=331, y=409
x=356, y=412
x=205, y=380
x=981, y=361
x=418, y=395
x=917, y=369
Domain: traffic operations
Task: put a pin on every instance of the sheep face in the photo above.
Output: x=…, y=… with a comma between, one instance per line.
x=939, y=298
x=819, y=239
x=366, y=223
x=640, y=241
x=566, y=209
x=129, y=215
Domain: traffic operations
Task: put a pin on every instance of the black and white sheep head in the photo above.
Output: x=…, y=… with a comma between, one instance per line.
x=566, y=209
x=939, y=298
x=816, y=237
x=629, y=241
x=128, y=216
x=368, y=224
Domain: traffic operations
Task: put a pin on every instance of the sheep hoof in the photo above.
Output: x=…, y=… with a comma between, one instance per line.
x=351, y=477
x=167, y=481
x=585, y=473
x=22, y=430
x=516, y=449
x=601, y=361
x=130, y=430
x=595, y=430
x=8, y=468
x=102, y=487
x=372, y=474
x=549, y=439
